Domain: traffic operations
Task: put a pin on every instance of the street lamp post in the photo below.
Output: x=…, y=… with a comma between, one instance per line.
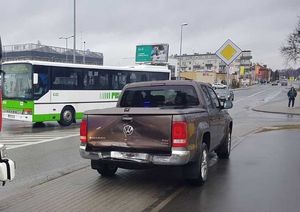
x=83, y=52
x=74, y=44
x=66, y=38
x=181, y=26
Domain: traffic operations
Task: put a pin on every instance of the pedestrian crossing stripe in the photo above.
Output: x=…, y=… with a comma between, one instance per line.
x=13, y=142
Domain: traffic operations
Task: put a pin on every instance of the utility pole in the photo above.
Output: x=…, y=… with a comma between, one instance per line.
x=83, y=52
x=74, y=47
x=181, y=26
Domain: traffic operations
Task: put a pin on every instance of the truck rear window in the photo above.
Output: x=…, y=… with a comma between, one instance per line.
x=160, y=96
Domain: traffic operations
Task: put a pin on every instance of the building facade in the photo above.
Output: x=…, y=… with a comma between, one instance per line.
x=40, y=52
x=211, y=62
x=210, y=68
x=262, y=73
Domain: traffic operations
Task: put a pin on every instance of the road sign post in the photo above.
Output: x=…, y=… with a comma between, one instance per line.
x=228, y=52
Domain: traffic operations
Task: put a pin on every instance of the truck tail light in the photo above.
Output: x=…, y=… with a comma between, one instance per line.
x=83, y=131
x=179, y=134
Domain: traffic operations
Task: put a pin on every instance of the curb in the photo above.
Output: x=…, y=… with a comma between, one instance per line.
x=283, y=107
x=276, y=112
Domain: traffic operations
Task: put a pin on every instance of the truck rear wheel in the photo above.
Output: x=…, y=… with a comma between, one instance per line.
x=107, y=170
x=199, y=169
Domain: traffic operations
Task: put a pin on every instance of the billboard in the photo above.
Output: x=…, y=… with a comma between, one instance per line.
x=156, y=53
x=242, y=70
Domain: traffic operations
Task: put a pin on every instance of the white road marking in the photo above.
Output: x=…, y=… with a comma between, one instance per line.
x=40, y=142
x=249, y=96
x=13, y=141
x=268, y=98
x=169, y=199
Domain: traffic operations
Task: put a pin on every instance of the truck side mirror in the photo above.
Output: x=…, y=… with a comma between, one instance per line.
x=227, y=104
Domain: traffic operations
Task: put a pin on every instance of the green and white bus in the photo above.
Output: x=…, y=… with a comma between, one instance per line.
x=37, y=91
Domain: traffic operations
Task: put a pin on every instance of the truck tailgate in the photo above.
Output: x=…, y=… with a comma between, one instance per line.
x=147, y=133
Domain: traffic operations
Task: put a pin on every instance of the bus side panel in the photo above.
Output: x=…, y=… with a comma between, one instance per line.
x=49, y=107
x=82, y=100
x=44, y=110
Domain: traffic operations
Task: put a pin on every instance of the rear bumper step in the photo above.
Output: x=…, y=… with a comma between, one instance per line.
x=178, y=157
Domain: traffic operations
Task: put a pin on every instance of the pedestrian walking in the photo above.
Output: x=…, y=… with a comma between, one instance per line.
x=292, y=95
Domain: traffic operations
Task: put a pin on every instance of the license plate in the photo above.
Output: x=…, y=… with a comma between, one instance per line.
x=129, y=155
x=11, y=116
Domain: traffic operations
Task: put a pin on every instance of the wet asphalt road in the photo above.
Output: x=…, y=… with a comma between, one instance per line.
x=262, y=174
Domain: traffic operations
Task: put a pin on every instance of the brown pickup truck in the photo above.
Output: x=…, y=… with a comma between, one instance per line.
x=161, y=123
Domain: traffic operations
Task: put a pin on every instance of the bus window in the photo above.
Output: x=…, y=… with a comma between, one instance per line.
x=42, y=86
x=114, y=81
x=63, y=79
x=103, y=80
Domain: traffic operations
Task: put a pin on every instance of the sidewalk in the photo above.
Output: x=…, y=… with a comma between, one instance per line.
x=280, y=107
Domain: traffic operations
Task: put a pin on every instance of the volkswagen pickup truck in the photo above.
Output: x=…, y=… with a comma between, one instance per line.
x=158, y=123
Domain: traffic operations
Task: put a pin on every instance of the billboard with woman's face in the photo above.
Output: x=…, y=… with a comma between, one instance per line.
x=156, y=53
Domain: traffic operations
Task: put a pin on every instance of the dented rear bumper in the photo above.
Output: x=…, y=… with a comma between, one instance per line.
x=178, y=156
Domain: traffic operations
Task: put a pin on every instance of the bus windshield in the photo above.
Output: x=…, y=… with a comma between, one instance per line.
x=17, y=81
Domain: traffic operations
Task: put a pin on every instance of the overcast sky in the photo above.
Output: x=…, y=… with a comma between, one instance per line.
x=115, y=27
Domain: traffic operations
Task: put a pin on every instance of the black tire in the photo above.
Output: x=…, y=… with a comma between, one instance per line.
x=107, y=170
x=200, y=167
x=224, y=149
x=38, y=125
x=67, y=116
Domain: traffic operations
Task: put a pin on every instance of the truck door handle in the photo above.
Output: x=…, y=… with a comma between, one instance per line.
x=127, y=118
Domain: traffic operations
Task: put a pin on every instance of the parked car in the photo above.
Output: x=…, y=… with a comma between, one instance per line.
x=284, y=83
x=224, y=94
x=274, y=83
x=218, y=85
x=159, y=123
x=263, y=82
x=7, y=166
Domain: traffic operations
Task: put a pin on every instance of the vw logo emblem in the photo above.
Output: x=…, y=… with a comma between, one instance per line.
x=128, y=130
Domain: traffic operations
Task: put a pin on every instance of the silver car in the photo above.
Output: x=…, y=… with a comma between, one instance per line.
x=224, y=94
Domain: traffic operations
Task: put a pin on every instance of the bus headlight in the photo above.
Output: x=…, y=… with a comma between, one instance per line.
x=27, y=111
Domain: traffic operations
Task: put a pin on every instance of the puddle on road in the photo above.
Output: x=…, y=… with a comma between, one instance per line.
x=279, y=127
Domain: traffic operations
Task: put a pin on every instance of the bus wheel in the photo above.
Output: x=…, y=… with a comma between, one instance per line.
x=38, y=125
x=67, y=116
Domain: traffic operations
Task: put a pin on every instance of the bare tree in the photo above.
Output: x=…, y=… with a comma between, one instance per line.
x=291, y=51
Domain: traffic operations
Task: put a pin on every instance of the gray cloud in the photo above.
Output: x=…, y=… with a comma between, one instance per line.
x=114, y=27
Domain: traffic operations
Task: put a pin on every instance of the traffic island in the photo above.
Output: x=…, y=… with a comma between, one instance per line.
x=280, y=107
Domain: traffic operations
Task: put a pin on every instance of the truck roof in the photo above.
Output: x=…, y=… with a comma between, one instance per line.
x=164, y=82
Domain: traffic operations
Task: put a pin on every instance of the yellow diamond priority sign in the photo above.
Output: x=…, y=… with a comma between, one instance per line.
x=228, y=52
